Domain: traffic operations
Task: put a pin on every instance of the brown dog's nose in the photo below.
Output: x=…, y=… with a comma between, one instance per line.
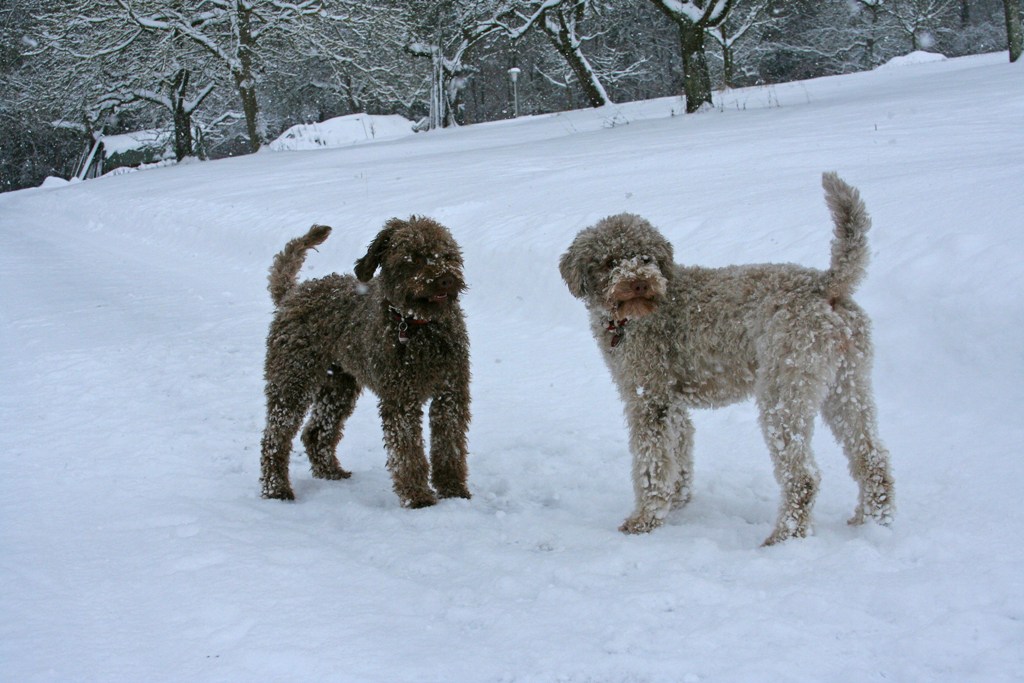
x=640, y=287
x=446, y=282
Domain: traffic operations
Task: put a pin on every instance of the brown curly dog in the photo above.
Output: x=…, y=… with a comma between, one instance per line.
x=400, y=334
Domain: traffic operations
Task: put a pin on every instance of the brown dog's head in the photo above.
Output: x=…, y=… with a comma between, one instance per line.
x=621, y=264
x=420, y=266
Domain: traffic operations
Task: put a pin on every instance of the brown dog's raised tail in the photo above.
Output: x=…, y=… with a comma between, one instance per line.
x=850, y=244
x=284, y=271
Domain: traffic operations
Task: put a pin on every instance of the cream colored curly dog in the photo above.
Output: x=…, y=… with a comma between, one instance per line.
x=680, y=337
x=400, y=334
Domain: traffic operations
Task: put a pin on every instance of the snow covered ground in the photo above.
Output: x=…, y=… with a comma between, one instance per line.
x=133, y=542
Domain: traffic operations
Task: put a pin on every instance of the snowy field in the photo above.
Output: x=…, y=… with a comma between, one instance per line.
x=134, y=545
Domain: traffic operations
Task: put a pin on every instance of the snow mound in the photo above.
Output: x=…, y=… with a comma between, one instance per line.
x=916, y=57
x=53, y=181
x=342, y=131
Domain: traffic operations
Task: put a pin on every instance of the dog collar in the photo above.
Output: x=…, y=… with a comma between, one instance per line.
x=405, y=322
x=617, y=328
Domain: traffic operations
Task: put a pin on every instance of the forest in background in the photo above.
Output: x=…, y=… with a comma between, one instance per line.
x=225, y=77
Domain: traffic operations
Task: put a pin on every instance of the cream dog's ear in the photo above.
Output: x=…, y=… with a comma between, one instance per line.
x=574, y=273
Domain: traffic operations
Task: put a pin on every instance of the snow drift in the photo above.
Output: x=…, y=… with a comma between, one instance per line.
x=342, y=131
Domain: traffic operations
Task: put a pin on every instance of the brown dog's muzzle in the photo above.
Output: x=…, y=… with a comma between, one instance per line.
x=439, y=290
x=445, y=287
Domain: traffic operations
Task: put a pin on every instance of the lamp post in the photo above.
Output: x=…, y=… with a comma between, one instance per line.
x=513, y=74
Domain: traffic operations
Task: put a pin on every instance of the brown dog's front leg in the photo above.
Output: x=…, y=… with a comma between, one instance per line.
x=449, y=422
x=403, y=438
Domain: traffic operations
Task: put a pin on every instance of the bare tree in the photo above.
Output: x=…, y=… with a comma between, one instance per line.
x=842, y=37
x=694, y=18
x=359, y=62
x=232, y=32
x=109, y=66
x=561, y=22
x=174, y=97
x=752, y=14
x=83, y=72
x=920, y=20
x=870, y=30
x=31, y=148
x=444, y=33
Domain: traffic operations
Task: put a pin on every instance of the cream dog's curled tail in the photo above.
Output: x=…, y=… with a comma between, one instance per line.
x=850, y=244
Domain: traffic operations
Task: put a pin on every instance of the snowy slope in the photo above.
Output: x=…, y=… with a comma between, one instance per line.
x=133, y=542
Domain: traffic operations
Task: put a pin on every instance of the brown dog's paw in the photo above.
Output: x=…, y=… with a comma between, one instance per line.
x=333, y=473
x=420, y=500
x=454, y=492
x=278, y=493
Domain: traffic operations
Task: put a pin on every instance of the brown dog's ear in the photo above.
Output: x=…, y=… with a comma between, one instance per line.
x=367, y=265
x=572, y=272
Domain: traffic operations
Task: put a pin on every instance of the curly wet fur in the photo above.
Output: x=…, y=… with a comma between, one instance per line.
x=400, y=334
x=681, y=337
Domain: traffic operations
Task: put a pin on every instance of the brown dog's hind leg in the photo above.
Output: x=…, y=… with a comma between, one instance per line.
x=334, y=402
x=283, y=424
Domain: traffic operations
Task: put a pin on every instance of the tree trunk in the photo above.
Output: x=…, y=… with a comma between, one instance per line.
x=454, y=77
x=696, y=77
x=251, y=110
x=869, y=48
x=182, y=117
x=453, y=100
x=437, y=96
x=728, y=66
x=1014, y=33
x=182, y=133
x=244, y=80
